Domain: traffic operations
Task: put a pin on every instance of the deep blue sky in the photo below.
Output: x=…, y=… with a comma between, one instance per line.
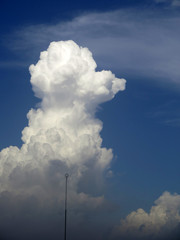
x=141, y=124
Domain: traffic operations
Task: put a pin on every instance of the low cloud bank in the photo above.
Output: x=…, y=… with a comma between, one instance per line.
x=162, y=222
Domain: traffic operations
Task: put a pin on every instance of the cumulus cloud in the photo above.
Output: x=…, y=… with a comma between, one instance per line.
x=63, y=135
x=161, y=222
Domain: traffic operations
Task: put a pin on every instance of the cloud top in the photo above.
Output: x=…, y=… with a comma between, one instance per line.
x=66, y=69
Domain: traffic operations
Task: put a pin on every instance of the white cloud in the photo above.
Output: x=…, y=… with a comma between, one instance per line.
x=160, y=222
x=63, y=134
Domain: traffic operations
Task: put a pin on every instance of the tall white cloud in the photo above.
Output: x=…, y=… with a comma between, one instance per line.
x=63, y=134
x=159, y=223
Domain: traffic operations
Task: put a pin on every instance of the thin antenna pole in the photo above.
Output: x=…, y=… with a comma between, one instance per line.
x=65, y=216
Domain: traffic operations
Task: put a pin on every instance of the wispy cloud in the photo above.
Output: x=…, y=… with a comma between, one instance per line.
x=171, y=3
x=12, y=64
x=137, y=44
x=173, y=122
x=167, y=113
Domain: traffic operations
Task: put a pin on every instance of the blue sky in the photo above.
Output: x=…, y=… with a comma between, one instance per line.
x=136, y=40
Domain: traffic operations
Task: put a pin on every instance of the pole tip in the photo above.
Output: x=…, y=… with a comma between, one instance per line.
x=66, y=175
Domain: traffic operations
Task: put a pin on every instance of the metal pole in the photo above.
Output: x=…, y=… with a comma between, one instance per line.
x=65, y=219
